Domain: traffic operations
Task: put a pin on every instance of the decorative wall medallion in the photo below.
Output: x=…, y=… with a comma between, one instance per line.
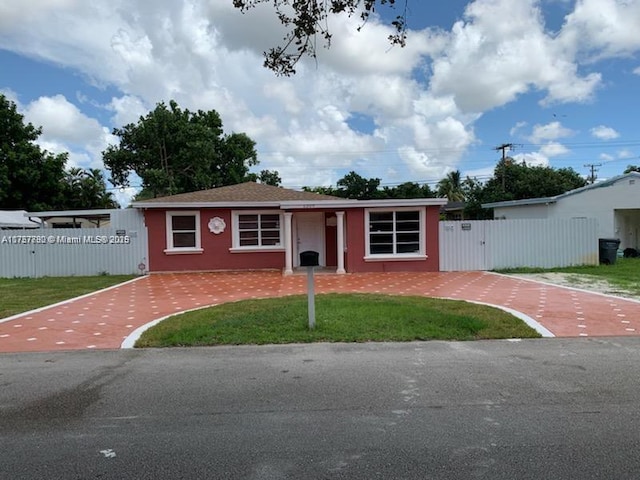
x=217, y=225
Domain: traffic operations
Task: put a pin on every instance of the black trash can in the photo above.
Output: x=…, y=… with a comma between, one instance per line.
x=608, y=250
x=309, y=258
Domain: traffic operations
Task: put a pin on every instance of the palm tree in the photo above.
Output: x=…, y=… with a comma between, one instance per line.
x=451, y=187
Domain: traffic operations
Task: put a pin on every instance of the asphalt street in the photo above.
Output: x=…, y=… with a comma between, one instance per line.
x=536, y=409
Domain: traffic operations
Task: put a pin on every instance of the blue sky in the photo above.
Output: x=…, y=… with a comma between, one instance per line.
x=559, y=79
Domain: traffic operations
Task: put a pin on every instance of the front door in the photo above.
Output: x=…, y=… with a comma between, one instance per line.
x=309, y=235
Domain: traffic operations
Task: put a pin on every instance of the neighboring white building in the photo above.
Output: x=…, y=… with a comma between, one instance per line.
x=614, y=203
x=17, y=220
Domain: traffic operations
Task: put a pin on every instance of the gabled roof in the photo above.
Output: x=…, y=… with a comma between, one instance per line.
x=545, y=200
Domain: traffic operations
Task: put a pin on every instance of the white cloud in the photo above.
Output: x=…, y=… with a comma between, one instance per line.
x=637, y=71
x=62, y=120
x=606, y=157
x=517, y=128
x=553, y=149
x=506, y=59
x=66, y=129
x=603, y=28
x=549, y=131
x=604, y=133
x=423, y=100
x=625, y=154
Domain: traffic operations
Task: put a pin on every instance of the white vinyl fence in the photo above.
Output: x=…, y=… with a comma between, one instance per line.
x=498, y=244
x=120, y=248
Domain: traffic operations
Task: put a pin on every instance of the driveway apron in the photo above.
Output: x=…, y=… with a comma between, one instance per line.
x=106, y=318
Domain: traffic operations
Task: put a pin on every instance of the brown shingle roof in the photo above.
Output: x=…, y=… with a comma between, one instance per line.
x=242, y=192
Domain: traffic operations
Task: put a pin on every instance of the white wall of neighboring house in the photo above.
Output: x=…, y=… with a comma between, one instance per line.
x=616, y=207
x=524, y=211
x=62, y=222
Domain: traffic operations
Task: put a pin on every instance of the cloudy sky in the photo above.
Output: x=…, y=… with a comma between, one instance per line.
x=559, y=79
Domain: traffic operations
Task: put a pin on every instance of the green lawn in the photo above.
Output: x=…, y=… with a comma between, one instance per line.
x=339, y=318
x=19, y=295
x=624, y=274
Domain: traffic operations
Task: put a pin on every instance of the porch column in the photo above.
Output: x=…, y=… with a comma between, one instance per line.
x=288, y=251
x=340, y=247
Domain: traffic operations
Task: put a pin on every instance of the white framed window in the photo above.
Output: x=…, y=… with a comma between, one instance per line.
x=257, y=230
x=397, y=233
x=183, y=232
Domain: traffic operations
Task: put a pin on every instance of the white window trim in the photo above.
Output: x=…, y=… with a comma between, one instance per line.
x=420, y=255
x=171, y=250
x=235, y=232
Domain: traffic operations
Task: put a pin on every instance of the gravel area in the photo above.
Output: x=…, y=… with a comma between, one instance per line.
x=584, y=282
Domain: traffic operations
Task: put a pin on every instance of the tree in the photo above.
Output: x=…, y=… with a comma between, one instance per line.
x=517, y=181
x=473, y=191
x=86, y=189
x=408, y=190
x=450, y=187
x=30, y=178
x=270, y=177
x=36, y=180
x=356, y=187
x=322, y=190
x=308, y=19
x=175, y=151
x=632, y=168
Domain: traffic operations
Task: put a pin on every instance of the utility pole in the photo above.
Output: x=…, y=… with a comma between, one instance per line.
x=593, y=168
x=504, y=147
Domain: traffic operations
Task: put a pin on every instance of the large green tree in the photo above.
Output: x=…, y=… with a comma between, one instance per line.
x=408, y=190
x=35, y=180
x=354, y=186
x=306, y=20
x=30, y=178
x=517, y=181
x=175, y=151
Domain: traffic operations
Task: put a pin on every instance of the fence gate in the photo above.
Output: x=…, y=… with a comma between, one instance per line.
x=499, y=244
x=463, y=246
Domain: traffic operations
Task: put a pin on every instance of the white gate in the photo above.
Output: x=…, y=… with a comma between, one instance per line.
x=500, y=244
x=463, y=246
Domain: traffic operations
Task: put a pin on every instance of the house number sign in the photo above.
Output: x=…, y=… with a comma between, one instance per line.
x=217, y=225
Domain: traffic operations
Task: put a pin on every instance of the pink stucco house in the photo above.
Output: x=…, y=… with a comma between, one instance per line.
x=254, y=226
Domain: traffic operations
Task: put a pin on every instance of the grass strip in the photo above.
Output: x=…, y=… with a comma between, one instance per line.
x=339, y=318
x=19, y=295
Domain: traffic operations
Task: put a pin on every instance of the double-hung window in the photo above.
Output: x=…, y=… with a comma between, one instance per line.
x=183, y=232
x=257, y=230
x=395, y=233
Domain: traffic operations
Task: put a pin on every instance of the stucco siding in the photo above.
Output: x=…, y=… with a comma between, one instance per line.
x=528, y=211
x=602, y=203
x=355, y=257
x=215, y=255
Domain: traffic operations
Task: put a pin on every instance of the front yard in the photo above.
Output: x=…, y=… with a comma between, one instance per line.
x=19, y=295
x=339, y=318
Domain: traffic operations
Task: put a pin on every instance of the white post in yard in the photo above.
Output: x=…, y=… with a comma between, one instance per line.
x=340, y=234
x=311, y=301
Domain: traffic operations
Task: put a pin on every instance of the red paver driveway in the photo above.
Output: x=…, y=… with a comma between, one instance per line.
x=106, y=318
